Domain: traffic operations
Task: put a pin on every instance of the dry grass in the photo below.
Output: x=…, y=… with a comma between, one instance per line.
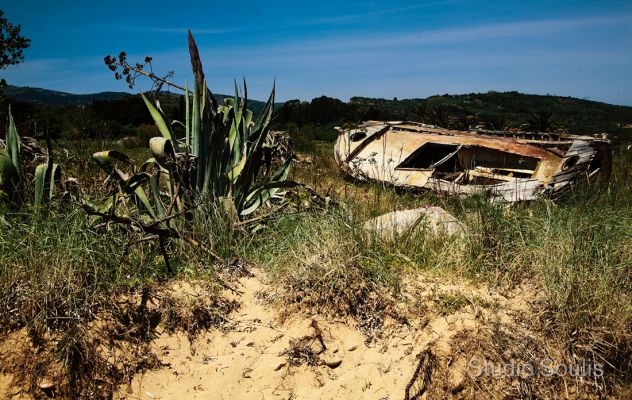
x=319, y=265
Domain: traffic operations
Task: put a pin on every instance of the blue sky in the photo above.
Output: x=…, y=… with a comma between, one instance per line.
x=343, y=48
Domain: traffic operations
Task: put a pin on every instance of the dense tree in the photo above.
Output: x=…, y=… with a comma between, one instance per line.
x=493, y=122
x=439, y=116
x=12, y=43
x=541, y=122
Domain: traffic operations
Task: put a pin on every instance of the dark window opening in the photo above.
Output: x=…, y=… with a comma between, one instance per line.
x=356, y=137
x=429, y=154
x=474, y=165
x=490, y=158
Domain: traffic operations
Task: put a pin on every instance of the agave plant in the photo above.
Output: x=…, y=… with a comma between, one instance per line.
x=10, y=165
x=48, y=175
x=220, y=159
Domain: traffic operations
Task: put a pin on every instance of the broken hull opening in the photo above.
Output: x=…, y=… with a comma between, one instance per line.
x=477, y=165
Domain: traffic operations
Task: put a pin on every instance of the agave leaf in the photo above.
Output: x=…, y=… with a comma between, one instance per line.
x=260, y=195
x=154, y=184
x=215, y=144
x=233, y=135
x=247, y=123
x=239, y=151
x=132, y=185
x=135, y=181
x=187, y=126
x=244, y=106
x=46, y=177
x=154, y=181
x=162, y=149
x=106, y=158
x=152, y=162
x=9, y=177
x=40, y=183
x=104, y=206
x=162, y=125
x=13, y=145
x=55, y=179
x=204, y=159
x=203, y=103
x=237, y=107
x=196, y=63
x=257, y=197
x=236, y=170
x=196, y=124
x=253, y=160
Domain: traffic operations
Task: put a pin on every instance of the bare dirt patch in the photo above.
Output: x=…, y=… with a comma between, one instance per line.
x=305, y=356
x=261, y=351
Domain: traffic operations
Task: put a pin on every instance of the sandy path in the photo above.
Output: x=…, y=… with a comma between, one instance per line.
x=245, y=362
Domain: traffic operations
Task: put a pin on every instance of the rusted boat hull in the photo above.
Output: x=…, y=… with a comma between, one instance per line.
x=508, y=166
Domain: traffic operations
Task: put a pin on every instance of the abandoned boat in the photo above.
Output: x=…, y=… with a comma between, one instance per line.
x=509, y=166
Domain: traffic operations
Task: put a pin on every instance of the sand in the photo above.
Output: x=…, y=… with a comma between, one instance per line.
x=246, y=362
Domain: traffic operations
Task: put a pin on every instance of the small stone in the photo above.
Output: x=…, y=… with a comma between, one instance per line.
x=47, y=387
x=332, y=362
x=353, y=347
x=397, y=223
x=278, y=365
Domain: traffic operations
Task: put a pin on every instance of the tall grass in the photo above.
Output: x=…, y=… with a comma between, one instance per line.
x=54, y=269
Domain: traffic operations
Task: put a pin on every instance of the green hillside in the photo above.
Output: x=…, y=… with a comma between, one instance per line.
x=511, y=108
x=46, y=97
x=54, y=98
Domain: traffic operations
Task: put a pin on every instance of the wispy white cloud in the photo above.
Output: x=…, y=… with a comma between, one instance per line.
x=372, y=13
x=473, y=33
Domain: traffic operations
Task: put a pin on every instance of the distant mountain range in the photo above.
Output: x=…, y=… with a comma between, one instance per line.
x=54, y=98
x=46, y=97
